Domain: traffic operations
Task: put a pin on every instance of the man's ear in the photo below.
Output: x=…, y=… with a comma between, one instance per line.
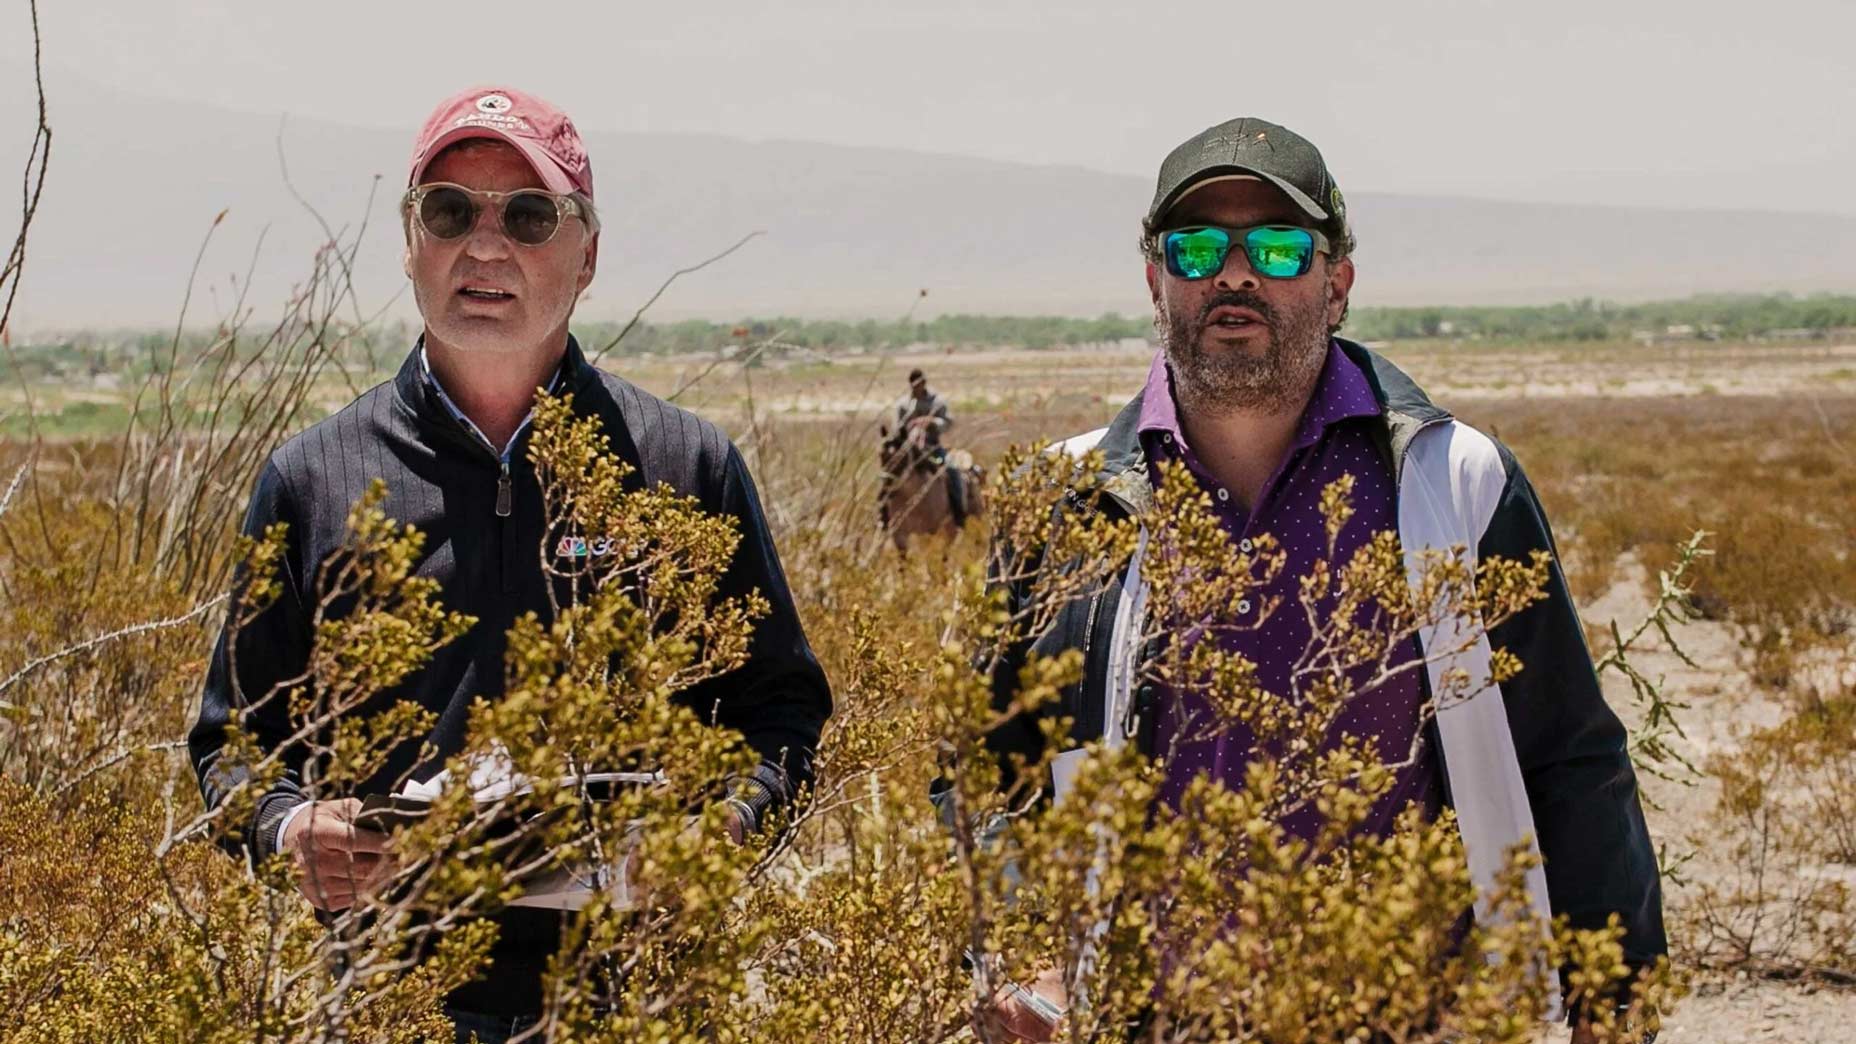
x=1153, y=283
x=1340, y=284
x=406, y=260
x=589, y=262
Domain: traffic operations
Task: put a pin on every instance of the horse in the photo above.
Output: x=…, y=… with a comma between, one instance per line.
x=915, y=497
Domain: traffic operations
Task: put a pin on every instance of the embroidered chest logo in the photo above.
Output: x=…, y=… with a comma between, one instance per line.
x=581, y=547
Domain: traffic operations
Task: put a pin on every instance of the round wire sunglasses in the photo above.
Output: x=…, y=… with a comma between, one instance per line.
x=530, y=217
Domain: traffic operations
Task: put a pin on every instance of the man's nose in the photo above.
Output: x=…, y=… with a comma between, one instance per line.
x=487, y=240
x=1237, y=274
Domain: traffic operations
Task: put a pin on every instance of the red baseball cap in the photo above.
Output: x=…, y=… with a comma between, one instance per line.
x=541, y=132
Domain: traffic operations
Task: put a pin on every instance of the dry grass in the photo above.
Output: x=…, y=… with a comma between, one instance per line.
x=1625, y=478
x=1772, y=478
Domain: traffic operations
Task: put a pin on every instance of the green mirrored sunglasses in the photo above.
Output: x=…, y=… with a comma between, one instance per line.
x=1274, y=251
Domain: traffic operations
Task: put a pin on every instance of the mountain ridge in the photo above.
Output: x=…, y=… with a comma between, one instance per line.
x=849, y=231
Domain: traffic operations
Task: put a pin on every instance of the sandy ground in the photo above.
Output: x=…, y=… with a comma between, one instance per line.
x=995, y=379
x=1722, y=701
x=1737, y=1009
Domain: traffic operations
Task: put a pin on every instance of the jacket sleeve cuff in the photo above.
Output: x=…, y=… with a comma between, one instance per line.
x=756, y=794
x=268, y=823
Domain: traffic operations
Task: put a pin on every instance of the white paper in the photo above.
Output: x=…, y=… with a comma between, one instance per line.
x=1063, y=772
x=493, y=778
x=573, y=887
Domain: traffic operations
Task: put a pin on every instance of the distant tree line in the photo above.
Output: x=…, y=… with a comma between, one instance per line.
x=1709, y=317
x=1726, y=316
x=133, y=354
x=1040, y=331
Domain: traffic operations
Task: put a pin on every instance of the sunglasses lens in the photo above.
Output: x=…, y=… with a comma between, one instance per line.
x=1280, y=252
x=1197, y=253
x=530, y=218
x=446, y=213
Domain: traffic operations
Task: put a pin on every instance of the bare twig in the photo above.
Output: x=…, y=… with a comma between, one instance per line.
x=116, y=759
x=31, y=188
x=711, y=368
x=6, y=499
x=1830, y=435
x=33, y=184
x=916, y=300
x=697, y=267
x=103, y=639
x=1651, y=748
x=343, y=259
x=1789, y=972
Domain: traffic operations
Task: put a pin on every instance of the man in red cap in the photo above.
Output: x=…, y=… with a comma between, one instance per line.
x=501, y=238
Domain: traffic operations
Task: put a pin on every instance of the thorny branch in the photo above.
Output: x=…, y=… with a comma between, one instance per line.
x=103, y=639
x=33, y=182
x=32, y=187
x=673, y=277
x=1651, y=748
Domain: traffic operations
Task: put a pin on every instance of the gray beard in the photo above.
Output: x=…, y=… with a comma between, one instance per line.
x=1234, y=381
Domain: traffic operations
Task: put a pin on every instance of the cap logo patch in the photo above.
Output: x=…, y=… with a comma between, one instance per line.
x=494, y=104
x=500, y=121
x=1220, y=144
x=1335, y=203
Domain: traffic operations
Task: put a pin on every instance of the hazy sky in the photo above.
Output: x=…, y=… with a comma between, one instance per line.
x=1704, y=103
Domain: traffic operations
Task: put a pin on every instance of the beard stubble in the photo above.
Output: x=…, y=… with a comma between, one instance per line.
x=1231, y=379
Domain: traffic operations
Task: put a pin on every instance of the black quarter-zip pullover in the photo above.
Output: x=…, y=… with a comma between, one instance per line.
x=483, y=523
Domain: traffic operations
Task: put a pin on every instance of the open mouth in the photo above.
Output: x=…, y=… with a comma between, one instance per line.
x=485, y=293
x=1235, y=319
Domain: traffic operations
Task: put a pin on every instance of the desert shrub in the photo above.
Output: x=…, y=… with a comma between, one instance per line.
x=853, y=922
x=868, y=916
x=1208, y=920
x=1770, y=479
x=118, y=550
x=1783, y=824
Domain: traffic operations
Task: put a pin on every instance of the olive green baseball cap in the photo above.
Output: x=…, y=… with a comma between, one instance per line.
x=1251, y=148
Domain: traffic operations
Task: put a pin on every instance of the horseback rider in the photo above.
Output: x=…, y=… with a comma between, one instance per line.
x=927, y=410
x=921, y=403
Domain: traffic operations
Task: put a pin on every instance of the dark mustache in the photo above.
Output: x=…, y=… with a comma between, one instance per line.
x=1237, y=299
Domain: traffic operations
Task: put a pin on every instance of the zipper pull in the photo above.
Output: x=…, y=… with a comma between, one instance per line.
x=504, y=495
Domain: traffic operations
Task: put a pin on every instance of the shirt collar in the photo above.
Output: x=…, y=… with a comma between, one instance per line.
x=1341, y=393
x=457, y=414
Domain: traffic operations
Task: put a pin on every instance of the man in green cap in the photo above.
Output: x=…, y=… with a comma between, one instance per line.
x=1248, y=253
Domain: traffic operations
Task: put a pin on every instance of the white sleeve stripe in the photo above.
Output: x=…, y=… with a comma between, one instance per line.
x=1449, y=489
x=1080, y=444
